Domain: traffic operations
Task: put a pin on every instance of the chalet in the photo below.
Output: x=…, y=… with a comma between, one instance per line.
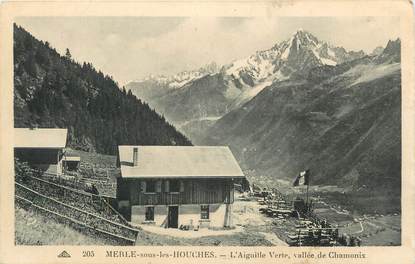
x=171, y=186
x=42, y=148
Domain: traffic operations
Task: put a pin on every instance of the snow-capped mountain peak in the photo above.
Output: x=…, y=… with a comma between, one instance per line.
x=301, y=52
x=182, y=78
x=243, y=79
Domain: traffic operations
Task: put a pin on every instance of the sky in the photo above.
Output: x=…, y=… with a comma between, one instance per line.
x=129, y=48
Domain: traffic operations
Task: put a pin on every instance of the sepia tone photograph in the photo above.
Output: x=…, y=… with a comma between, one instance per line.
x=207, y=131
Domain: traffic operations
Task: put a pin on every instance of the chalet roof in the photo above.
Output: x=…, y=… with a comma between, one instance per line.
x=40, y=137
x=178, y=162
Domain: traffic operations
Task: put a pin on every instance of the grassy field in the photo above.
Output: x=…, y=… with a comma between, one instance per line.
x=99, y=160
x=33, y=228
x=377, y=230
x=362, y=203
x=99, y=169
x=238, y=239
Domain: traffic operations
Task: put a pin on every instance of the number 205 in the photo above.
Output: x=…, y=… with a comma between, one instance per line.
x=88, y=254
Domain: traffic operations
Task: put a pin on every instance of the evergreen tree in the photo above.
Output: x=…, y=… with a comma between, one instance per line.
x=68, y=54
x=57, y=92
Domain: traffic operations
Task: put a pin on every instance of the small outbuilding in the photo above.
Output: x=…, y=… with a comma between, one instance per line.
x=173, y=186
x=42, y=148
x=71, y=163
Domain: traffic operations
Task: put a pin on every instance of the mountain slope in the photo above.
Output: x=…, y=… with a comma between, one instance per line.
x=236, y=83
x=54, y=91
x=342, y=122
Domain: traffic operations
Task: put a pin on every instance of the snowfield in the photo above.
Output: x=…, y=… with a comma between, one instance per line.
x=369, y=72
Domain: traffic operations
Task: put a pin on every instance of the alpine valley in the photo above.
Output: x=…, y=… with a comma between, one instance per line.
x=303, y=103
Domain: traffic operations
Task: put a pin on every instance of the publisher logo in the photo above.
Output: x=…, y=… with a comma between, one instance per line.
x=64, y=254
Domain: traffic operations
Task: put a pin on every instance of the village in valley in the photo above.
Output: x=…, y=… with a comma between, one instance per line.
x=297, y=145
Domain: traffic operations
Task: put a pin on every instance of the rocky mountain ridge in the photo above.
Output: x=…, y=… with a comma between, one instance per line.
x=230, y=86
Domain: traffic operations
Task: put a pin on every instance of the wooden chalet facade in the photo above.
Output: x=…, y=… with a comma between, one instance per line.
x=175, y=185
x=42, y=148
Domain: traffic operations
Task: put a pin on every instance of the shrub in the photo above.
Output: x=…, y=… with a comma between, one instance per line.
x=22, y=170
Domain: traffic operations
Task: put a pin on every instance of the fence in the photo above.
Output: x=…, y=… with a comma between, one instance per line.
x=70, y=213
x=83, y=200
x=111, y=239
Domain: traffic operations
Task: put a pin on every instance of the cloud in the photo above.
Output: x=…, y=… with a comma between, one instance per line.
x=198, y=41
x=113, y=39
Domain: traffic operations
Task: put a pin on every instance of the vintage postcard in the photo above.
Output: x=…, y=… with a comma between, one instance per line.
x=207, y=132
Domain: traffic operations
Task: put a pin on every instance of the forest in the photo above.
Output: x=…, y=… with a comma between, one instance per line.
x=53, y=90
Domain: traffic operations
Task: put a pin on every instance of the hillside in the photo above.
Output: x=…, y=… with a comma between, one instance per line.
x=33, y=228
x=55, y=91
x=343, y=122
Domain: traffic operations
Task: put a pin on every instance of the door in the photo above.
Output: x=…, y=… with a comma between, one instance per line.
x=173, y=217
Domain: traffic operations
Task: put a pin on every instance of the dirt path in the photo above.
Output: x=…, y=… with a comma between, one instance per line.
x=251, y=229
x=361, y=228
x=274, y=239
x=246, y=214
x=174, y=232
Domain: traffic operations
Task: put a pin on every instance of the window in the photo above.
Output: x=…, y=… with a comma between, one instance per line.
x=150, y=213
x=204, y=212
x=174, y=186
x=150, y=186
